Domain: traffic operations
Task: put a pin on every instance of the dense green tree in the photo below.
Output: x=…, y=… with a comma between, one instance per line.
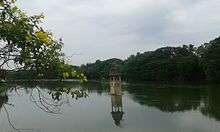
x=100, y=69
x=177, y=64
x=210, y=59
x=164, y=64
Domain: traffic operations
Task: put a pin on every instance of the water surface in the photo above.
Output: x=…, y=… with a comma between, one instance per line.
x=70, y=106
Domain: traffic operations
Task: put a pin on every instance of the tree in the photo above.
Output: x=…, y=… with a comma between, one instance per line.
x=100, y=69
x=210, y=59
x=25, y=43
x=164, y=64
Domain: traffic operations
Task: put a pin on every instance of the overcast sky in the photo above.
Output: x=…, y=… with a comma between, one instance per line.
x=103, y=29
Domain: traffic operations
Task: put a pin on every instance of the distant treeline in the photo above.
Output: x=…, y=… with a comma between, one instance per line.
x=53, y=73
x=179, y=64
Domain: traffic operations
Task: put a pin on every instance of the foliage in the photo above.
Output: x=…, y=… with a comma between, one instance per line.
x=178, y=64
x=3, y=87
x=28, y=46
x=100, y=69
x=164, y=64
x=210, y=59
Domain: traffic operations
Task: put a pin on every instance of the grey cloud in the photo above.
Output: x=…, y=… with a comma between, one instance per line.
x=101, y=29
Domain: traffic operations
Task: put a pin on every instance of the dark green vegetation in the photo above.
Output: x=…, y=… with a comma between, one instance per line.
x=100, y=69
x=3, y=87
x=209, y=55
x=178, y=64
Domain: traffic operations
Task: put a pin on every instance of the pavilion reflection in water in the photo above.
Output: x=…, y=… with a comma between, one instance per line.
x=117, y=109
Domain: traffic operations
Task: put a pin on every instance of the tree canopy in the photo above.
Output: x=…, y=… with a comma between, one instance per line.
x=25, y=45
x=163, y=64
x=170, y=64
x=210, y=59
x=100, y=69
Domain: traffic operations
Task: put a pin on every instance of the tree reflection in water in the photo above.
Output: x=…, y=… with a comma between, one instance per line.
x=51, y=96
x=211, y=106
x=57, y=98
x=3, y=108
x=44, y=96
x=166, y=98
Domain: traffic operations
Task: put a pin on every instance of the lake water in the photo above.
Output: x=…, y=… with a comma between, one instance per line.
x=72, y=107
